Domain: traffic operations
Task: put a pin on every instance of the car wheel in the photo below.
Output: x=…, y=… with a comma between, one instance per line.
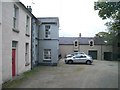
x=70, y=61
x=66, y=62
x=88, y=62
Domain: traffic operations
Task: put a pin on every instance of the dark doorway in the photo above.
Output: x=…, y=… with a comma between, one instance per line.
x=93, y=53
x=107, y=55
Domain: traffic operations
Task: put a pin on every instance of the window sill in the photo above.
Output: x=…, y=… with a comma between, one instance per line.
x=46, y=60
x=27, y=35
x=16, y=30
x=47, y=38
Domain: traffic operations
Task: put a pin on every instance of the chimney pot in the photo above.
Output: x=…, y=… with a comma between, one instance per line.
x=79, y=34
x=29, y=8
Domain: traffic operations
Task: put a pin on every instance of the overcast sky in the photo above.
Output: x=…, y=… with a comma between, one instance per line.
x=75, y=16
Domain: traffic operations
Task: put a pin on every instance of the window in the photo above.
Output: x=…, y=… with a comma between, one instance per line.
x=14, y=44
x=27, y=25
x=15, y=18
x=91, y=43
x=26, y=54
x=47, y=54
x=47, y=31
x=82, y=56
x=76, y=43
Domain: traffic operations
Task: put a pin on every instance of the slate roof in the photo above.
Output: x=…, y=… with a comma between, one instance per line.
x=82, y=40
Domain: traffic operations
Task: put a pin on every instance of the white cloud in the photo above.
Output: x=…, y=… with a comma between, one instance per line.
x=76, y=16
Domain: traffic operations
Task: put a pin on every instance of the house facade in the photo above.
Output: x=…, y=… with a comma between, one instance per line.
x=96, y=47
x=16, y=39
x=48, y=41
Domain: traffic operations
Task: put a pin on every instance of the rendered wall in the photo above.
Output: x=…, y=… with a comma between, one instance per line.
x=8, y=35
x=0, y=44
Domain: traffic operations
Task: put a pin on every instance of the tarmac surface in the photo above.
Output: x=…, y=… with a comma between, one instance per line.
x=101, y=74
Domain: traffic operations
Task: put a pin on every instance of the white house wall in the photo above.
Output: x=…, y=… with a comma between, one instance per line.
x=8, y=35
x=67, y=49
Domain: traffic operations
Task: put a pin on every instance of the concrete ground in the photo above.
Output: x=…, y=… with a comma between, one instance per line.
x=101, y=74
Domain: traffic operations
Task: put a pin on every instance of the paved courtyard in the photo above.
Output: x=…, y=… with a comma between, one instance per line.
x=101, y=74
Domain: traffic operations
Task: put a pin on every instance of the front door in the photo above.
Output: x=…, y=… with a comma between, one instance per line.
x=13, y=61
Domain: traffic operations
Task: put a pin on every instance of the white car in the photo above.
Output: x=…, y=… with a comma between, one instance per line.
x=73, y=54
x=83, y=58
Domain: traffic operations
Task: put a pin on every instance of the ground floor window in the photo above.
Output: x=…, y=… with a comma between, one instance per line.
x=26, y=54
x=47, y=54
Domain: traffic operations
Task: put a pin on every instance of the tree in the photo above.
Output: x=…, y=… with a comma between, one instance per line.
x=109, y=10
x=106, y=37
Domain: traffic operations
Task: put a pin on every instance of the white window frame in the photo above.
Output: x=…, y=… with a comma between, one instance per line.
x=15, y=18
x=91, y=41
x=76, y=46
x=27, y=25
x=47, y=31
x=48, y=55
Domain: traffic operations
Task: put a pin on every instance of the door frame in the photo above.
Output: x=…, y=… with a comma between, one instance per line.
x=16, y=57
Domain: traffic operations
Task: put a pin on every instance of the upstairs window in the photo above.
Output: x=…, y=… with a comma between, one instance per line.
x=27, y=25
x=76, y=43
x=91, y=43
x=47, y=31
x=15, y=17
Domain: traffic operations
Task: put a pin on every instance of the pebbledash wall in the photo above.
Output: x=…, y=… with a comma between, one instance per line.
x=0, y=44
x=16, y=42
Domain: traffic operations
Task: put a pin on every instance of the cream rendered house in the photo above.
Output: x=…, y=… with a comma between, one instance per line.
x=96, y=47
x=16, y=39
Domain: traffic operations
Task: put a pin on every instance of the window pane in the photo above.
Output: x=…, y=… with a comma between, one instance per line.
x=47, y=54
x=14, y=44
x=15, y=17
x=27, y=24
x=47, y=31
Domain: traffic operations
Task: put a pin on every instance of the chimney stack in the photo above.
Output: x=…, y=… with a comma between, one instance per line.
x=79, y=34
x=29, y=8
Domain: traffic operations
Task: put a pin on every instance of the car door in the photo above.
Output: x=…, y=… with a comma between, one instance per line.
x=82, y=59
x=76, y=59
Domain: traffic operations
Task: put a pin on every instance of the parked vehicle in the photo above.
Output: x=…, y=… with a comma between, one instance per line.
x=73, y=54
x=83, y=58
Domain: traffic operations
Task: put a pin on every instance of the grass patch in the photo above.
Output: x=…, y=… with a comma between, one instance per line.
x=19, y=79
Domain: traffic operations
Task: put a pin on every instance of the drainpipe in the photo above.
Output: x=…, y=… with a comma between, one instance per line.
x=31, y=42
x=101, y=51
